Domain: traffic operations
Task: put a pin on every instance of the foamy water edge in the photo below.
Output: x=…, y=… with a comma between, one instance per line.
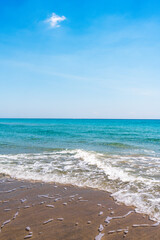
x=91, y=169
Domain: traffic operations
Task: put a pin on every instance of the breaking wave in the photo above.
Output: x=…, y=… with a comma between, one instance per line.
x=132, y=179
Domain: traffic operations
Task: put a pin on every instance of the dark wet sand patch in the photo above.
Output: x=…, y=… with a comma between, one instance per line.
x=55, y=211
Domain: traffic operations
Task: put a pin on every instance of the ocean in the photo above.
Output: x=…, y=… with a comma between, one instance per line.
x=119, y=156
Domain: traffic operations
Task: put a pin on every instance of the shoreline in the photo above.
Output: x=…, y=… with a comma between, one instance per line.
x=63, y=211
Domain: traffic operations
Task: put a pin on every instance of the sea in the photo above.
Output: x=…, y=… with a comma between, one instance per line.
x=119, y=156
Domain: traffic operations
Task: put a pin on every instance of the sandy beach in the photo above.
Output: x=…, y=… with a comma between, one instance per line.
x=34, y=210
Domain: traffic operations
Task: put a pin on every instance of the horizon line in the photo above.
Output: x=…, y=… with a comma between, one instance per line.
x=79, y=118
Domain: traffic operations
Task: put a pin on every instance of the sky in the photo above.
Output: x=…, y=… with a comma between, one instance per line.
x=80, y=59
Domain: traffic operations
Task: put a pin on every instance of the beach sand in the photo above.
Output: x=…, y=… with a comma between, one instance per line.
x=65, y=212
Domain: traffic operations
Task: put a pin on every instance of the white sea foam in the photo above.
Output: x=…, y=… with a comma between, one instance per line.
x=133, y=180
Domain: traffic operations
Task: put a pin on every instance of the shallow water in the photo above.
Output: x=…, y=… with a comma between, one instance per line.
x=121, y=156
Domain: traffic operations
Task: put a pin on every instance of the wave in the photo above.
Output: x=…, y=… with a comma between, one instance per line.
x=131, y=179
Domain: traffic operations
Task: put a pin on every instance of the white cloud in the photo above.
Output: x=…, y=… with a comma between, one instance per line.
x=54, y=20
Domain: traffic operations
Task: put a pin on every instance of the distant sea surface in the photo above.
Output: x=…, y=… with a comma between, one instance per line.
x=120, y=156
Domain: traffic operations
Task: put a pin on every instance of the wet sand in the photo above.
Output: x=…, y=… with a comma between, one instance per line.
x=43, y=211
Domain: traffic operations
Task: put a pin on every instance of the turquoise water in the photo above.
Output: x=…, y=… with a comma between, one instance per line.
x=121, y=156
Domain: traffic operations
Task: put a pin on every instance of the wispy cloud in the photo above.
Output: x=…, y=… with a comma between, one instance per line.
x=54, y=20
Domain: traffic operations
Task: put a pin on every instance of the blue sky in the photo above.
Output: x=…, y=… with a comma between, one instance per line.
x=80, y=59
